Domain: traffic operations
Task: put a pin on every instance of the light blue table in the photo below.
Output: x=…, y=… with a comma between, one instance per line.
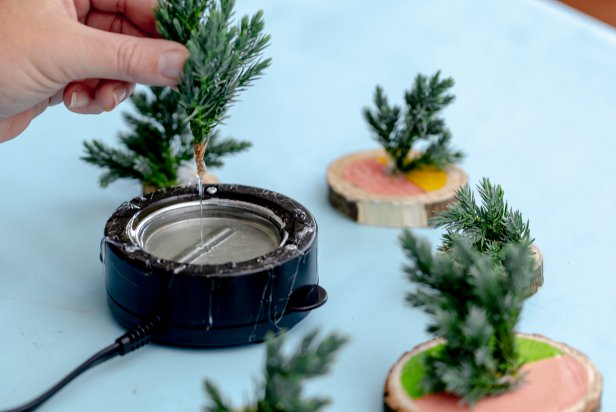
x=536, y=87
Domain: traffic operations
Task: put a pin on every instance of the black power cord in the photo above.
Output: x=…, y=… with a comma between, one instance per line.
x=130, y=341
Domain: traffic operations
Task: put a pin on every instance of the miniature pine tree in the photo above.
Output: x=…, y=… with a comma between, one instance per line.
x=225, y=58
x=489, y=226
x=282, y=387
x=398, y=132
x=474, y=305
x=156, y=145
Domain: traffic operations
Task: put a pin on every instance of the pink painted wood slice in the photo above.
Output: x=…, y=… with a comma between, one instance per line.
x=379, y=209
x=587, y=382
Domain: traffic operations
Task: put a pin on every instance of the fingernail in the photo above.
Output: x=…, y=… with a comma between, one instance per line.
x=119, y=94
x=79, y=100
x=172, y=64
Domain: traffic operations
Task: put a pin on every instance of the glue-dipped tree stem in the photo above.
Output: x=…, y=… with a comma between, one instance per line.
x=200, y=149
x=225, y=57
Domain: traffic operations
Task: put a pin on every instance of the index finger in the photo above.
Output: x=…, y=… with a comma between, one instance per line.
x=140, y=12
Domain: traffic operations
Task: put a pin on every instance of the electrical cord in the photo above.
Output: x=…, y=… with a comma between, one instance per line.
x=129, y=342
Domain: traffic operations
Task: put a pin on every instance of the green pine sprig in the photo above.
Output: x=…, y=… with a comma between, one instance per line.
x=281, y=389
x=489, y=225
x=399, y=131
x=475, y=306
x=157, y=143
x=225, y=58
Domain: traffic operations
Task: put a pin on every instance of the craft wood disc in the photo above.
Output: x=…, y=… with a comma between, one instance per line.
x=570, y=367
x=375, y=206
x=538, y=282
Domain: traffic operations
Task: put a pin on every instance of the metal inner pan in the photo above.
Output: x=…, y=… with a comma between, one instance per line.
x=210, y=232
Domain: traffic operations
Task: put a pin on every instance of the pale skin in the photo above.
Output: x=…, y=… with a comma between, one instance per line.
x=87, y=54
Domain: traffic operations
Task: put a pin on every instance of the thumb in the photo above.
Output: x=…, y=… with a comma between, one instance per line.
x=103, y=55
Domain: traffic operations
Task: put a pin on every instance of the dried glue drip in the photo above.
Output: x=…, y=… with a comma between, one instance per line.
x=200, y=186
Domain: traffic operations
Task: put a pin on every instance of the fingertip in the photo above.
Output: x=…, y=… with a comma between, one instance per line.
x=79, y=100
x=110, y=94
x=171, y=65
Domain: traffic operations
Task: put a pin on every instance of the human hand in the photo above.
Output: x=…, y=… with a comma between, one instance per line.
x=85, y=53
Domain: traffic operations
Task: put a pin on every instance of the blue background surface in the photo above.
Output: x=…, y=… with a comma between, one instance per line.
x=535, y=113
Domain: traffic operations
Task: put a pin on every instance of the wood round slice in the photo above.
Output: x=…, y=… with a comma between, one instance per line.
x=396, y=399
x=538, y=270
x=386, y=210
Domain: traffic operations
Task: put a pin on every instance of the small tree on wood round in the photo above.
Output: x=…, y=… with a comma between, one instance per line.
x=489, y=226
x=477, y=358
x=401, y=185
